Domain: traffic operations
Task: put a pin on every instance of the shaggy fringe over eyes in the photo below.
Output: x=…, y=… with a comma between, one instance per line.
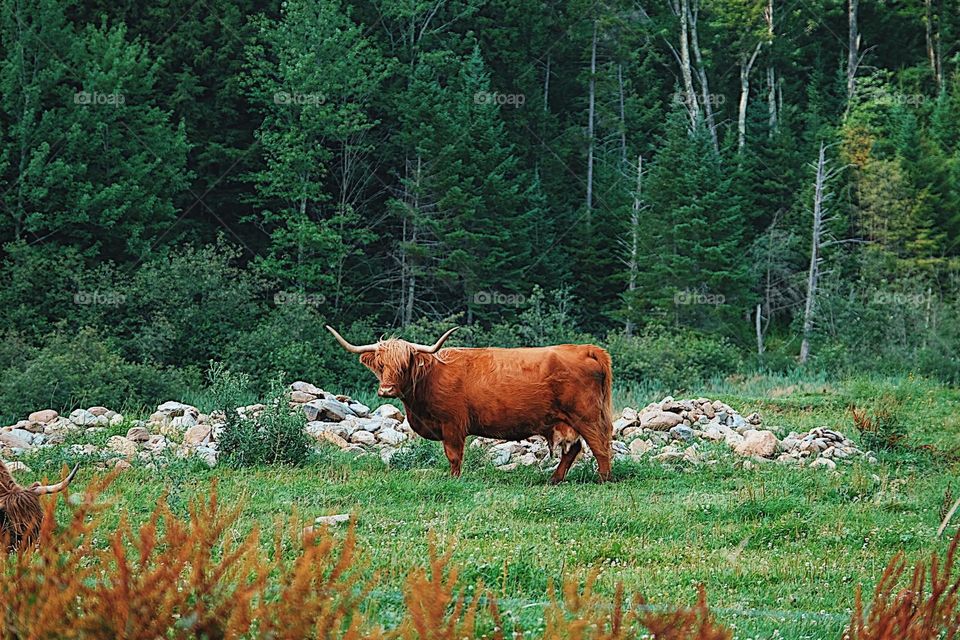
x=400, y=356
x=202, y=578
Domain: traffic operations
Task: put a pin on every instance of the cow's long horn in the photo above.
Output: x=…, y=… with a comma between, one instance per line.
x=436, y=345
x=42, y=489
x=352, y=348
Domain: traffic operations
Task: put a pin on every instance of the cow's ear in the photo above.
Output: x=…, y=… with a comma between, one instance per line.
x=368, y=359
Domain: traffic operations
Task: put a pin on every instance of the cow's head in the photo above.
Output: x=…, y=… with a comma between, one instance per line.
x=397, y=363
x=20, y=512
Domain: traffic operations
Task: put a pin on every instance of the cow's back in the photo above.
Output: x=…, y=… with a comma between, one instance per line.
x=515, y=393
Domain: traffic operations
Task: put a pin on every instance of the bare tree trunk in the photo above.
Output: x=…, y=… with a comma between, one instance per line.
x=408, y=268
x=634, y=248
x=757, y=326
x=681, y=10
x=772, y=98
x=623, y=119
x=746, y=66
x=702, y=74
x=593, y=92
x=546, y=87
x=814, y=271
x=853, y=45
x=933, y=42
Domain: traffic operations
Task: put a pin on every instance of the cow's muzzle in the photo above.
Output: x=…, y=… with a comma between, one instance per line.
x=388, y=391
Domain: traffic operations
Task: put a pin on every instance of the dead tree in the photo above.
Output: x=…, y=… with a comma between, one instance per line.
x=20, y=512
x=819, y=241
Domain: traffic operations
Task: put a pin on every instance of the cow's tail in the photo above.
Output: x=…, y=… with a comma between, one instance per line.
x=606, y=393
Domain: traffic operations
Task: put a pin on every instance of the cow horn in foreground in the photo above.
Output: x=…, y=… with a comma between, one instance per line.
x=352, y=348
x=563, y=393
x=21, y=514
x=44, y=489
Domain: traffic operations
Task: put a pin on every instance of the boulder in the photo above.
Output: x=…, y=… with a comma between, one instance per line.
x=16, y=466
x=359, y=408
x=660, y=420
x=681, y=432
x=138, y=434
x=389, y=411
x=329, y=410
x=639, y=447
x=390, y=436
x=44, y=416
x=10, y=439
x=196, y=435
x=332, y=438
x=826, y=463
x=299, y=397
x=99, y=411
x=306, y=387
x=758, y=443
x=122, y=446
x=363, y=437
x=82, y=418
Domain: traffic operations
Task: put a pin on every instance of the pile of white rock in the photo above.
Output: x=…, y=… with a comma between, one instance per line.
x=693, y=431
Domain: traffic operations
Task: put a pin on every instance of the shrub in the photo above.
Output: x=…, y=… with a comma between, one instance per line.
x=882, y=428
x=275, y=435
x=670, y=359
x=84, y=369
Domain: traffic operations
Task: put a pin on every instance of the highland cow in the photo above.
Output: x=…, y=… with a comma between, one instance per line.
x=562, y=393
x=20, y=512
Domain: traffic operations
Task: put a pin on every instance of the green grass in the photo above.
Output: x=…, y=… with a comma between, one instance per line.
x=779, y=549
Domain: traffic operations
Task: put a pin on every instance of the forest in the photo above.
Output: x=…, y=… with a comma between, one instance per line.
x=704, y=187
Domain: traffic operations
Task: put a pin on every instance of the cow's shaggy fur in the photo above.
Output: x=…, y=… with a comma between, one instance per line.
x=562, y=393
x=20, y=512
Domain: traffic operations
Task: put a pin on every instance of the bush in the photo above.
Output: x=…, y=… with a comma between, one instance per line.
x=292, y=338
x=673, y=360
x=84, y=369
x=273, y=436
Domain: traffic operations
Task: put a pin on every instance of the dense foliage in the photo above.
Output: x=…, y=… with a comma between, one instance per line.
x=186, y=182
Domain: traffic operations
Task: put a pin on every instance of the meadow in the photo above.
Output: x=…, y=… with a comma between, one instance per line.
x=780, y=549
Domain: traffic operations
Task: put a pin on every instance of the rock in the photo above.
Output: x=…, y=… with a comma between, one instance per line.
x=196, y=435
x=622, y=423
x=334, y=439
x=713, y=433
x=757, y=443
x=82, y=418
x=753, y=418
x=301, y=397
x=184, y=422
x=156, y=443
x=306, y=387
x=527, y=459
x=629, y=414
x=737, y=421
x=173, y=408
x=389, y=411
x=691, y=455
x=16, y=466
x=786, y=458
x=9, y=439
x=669, y=454
x=122, y=446
x=44, y=416
x=824, y=462
x=508, y=467
x=138, y=434
x=116, y=420
x=363, y=437
x=639, y=447
x=733, y=439
x=99, y=411
x=500, y=454
x=329, y=410
x=122, y=465
x=367, y=424
x=359, y=408
x=681, y=432
x=660, y=420
x=390, y=436
x=335, y=519
x=207, y=454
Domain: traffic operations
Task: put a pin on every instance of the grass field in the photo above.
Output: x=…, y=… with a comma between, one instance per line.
x=779, y=549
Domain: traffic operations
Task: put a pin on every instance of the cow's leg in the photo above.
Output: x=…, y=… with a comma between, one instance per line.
x=602, y=451
x=453, y=447
x=570, y=453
